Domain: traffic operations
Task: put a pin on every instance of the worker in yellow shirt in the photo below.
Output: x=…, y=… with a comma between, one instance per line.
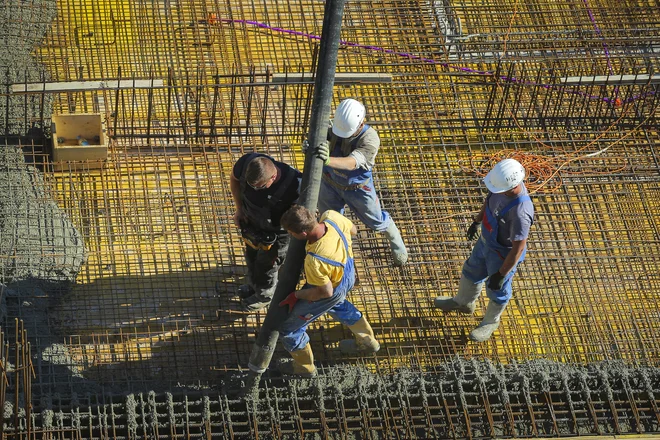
x=330, y=275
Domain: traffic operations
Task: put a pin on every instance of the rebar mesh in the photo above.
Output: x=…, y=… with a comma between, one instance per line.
x=458, y=399
x=155, y=307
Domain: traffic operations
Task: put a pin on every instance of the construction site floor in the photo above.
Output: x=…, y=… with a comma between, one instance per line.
x=462, y=85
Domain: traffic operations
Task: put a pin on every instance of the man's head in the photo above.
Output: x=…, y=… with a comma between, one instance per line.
x=505, y=177
x=349, y=118
x=261, y=173
x=298, y=221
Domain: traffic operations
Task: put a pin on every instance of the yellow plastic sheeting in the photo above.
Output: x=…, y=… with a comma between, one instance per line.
x=164, y=257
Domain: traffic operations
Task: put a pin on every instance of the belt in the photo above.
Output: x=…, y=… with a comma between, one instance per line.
x=258, y=239
x=327, y=178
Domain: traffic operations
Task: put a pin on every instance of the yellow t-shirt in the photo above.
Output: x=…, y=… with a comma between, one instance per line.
x=330, y=246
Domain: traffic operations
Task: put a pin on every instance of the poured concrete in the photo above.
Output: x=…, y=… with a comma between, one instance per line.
x=23, y=25
x=37, y=239
x=458, y=399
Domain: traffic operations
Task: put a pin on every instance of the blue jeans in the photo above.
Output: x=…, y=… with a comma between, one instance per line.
x=363, y=202
x=294, y=329
x=484, y=262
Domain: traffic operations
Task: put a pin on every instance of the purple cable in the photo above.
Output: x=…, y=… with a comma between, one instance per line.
x=600, y=34
x=447, y=65
x=606, y=50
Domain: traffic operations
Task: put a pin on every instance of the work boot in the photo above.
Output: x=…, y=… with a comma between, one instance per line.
x=489, y=323
x=399, y=251
x=301, y=364
x=364, y=343
x=449, y=304
x=254, y=303
x=245, y=291
x=465, y=299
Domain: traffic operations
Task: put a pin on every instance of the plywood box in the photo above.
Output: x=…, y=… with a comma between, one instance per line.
x=79, y=138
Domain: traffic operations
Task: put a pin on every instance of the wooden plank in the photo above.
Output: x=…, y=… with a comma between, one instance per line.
x=81, y=86
x=613, y=80
x=78, y=157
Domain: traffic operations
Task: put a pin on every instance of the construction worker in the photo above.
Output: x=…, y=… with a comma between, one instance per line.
x=263, y=189
x=349, y=156
x=330, y=275
x=503, y=223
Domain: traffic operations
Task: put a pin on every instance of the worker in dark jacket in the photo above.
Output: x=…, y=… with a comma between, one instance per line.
x=263, y=189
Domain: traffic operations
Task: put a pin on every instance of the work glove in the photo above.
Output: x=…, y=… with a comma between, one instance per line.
x=290, y=301
x=496, y=281
x=323, y=152
x=474, y=231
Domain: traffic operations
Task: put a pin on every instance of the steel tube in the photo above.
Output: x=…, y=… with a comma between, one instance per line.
x=262, y=351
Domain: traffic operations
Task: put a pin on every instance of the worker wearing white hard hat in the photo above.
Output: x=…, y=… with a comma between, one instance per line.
x=349, y=155
x=502, y=227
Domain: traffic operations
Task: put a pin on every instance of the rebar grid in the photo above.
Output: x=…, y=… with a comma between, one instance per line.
x=154, y=307
x=225, y=48
x=164, y=262
x=457, y=400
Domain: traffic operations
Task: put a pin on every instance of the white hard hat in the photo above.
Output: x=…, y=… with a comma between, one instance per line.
x=348, y=117
x=506, y=175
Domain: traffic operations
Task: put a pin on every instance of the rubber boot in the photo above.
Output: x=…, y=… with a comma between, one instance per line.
x=254, y=303
x=489, y=323
x=399, y=251
x=301, y=364
x=364, y=343
x=257, y=301
x=465, y=299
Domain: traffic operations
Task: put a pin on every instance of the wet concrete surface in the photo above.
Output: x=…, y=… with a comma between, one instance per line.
x=23, y=25
x=458, y=399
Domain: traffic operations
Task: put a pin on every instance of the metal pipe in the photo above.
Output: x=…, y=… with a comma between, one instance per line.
x=262, y=351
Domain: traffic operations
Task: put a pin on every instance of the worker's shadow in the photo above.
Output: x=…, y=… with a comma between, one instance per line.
x=402, y=336
x=135, y=333
x=25, y=306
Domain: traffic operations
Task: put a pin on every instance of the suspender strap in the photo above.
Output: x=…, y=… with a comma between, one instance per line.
x=326, y=260
x=343, y=238
x=513, y=204
x=283, y=186
x=341, y=234
x=334, y=138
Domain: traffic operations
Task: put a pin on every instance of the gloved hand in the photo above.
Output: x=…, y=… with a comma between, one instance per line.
x=290, y=301
x=323, y=152
x=496, y=281
x=474, y=231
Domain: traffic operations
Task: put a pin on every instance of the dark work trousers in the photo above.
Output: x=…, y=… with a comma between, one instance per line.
x=263, y=266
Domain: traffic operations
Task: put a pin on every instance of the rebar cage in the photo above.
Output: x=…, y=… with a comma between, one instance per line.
x=186, y=87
